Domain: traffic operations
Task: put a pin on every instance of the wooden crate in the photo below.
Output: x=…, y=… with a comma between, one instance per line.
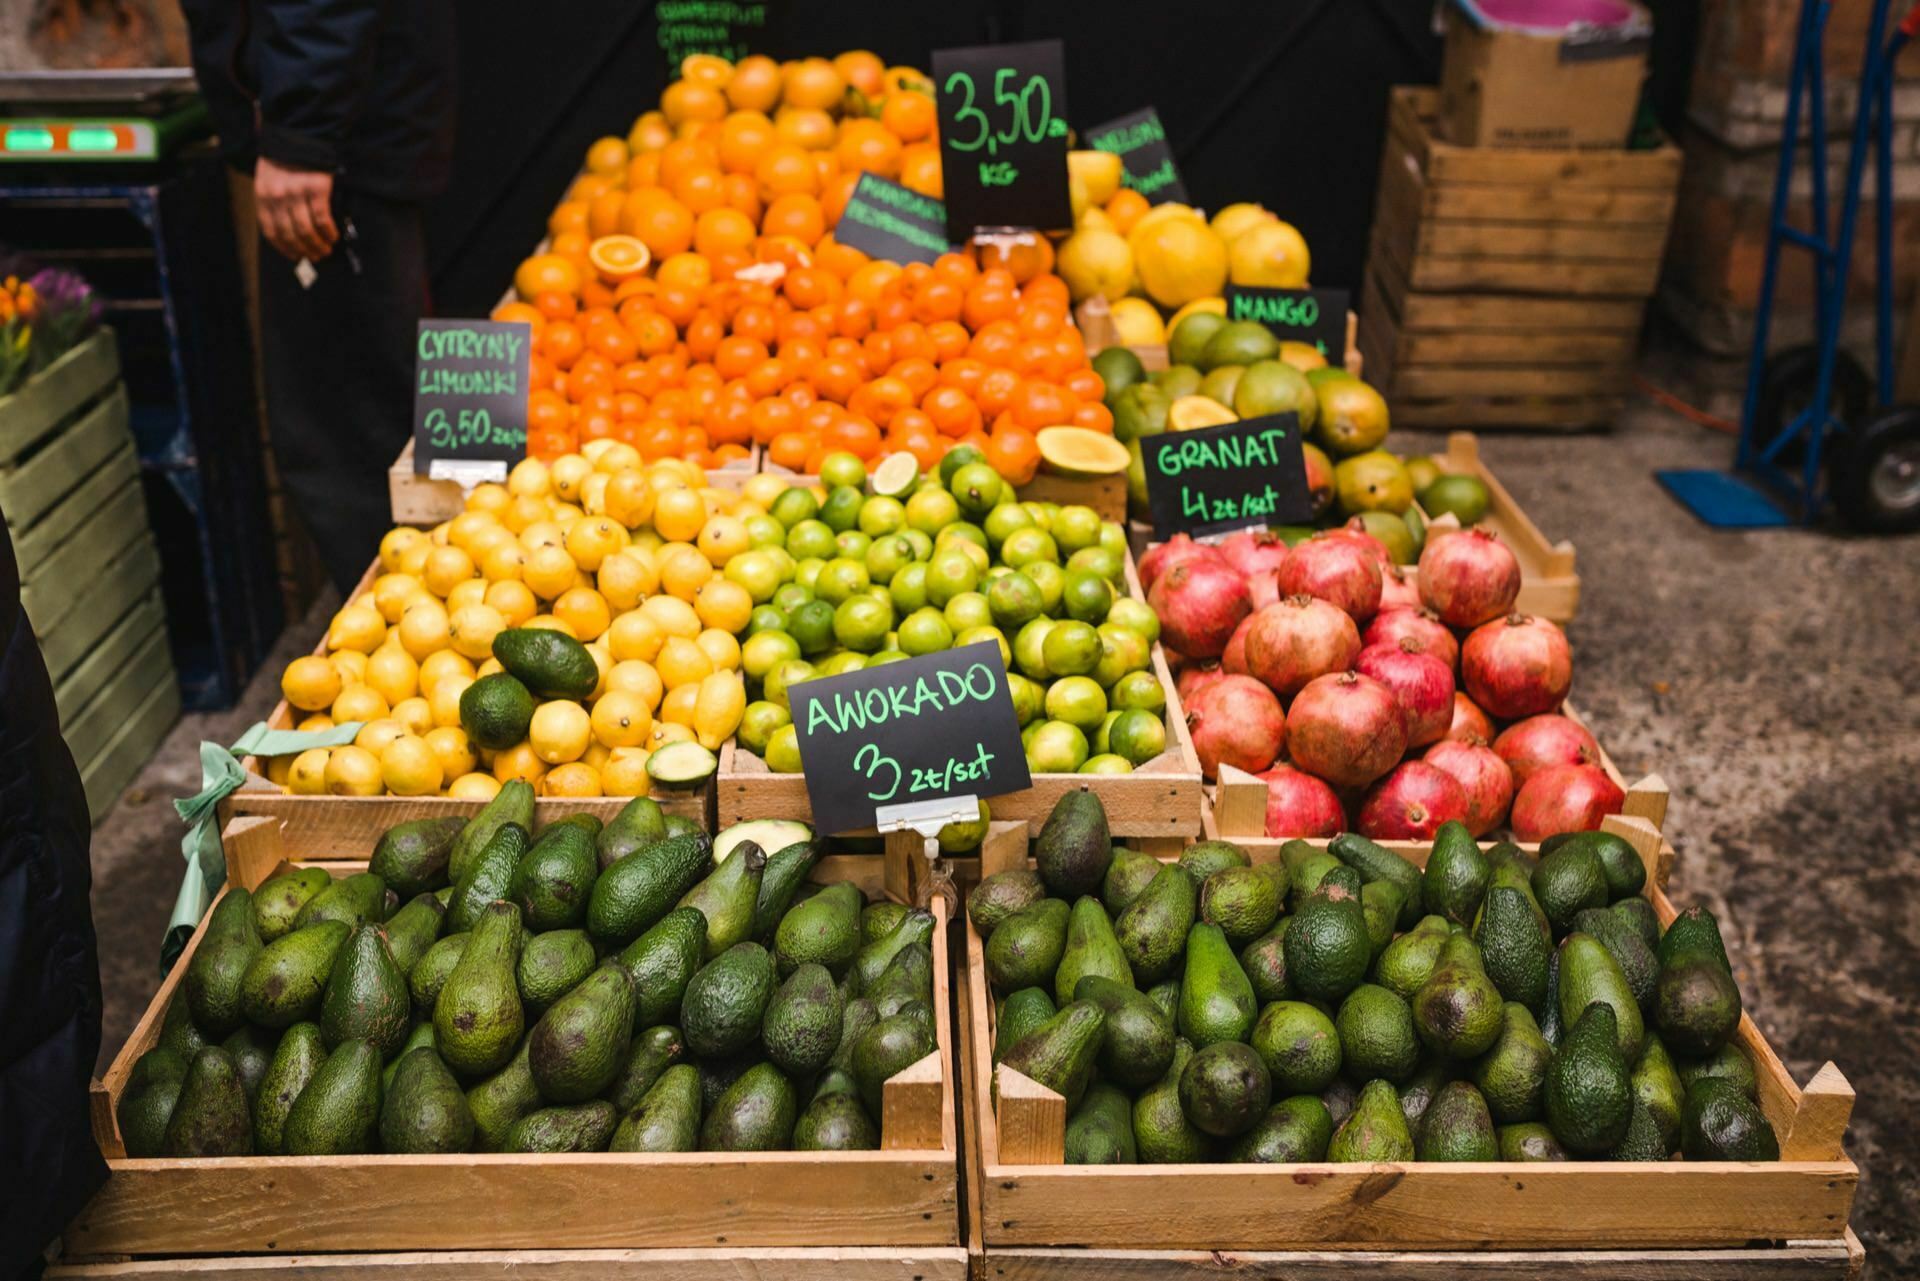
x=903, y=1196
x=417, y=500
x=755, y=1263
x=1030, y=1199
x=318, y=820
x=1160, y=799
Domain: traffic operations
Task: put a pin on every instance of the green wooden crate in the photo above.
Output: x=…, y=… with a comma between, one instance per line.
x=106, y=657
x=33, y=547
x=32, y=486
x=50, y=594
x=54, y=394
x=92, y=727
x=130, y=747
x=101, y=604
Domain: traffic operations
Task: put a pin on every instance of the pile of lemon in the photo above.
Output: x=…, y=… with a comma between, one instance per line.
x=628, y=558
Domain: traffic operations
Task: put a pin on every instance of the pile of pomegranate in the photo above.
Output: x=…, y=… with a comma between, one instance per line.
x=1372, y=698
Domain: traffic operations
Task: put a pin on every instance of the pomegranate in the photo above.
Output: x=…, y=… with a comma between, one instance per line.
x=1469, y=578
x=1263, y=589
x=1236, y=721
x=1408, y=804
x=1483, y=777
x=1200, y=602
x=1195, y=677
x=1300, y=805
x=1516, y=666
x=1297, y=639
x=1355, y=532
x=1233, y=659
x=1399, y=589
x=1428, y=634
x=1469, y=721
x=1422, y=683
x=1336, y=568
x=1253, y=551
x=1537, y=742
x=1347, y=728
x=1564, y=798
x=1165, y=556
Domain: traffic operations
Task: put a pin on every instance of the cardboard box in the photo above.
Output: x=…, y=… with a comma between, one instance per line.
x=1542, y=73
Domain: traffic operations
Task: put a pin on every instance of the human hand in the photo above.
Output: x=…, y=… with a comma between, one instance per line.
x=295, y=209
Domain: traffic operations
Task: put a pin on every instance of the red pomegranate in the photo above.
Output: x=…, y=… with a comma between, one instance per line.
x=1297, y=639
x=1409, y=803
x=1482, y=775
x=1421, y=626
x=1347, y=729
x=1516, y=666
x=1469, y=578
x=1537, y=742
x=1195, y=677
x=1199, y=602
x=1564, y=798
x=1253, y=551
x=1334, y=568
x=1165, y=556
x=1399, y=589
x=1236, y=721
x=1263, y=589
x=1422, y=683
x=1469, y=721
x=1233, y=659
x=1300, y=805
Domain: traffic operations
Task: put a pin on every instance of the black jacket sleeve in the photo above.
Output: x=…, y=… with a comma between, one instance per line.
x=315, y=63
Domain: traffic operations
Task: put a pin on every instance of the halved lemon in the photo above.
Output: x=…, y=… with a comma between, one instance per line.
x=619, y=257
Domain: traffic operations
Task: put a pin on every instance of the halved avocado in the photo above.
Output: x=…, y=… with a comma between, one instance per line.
x=681, y=766
x=770, y=834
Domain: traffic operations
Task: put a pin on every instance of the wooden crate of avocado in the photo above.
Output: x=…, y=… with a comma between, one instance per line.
x=315, y=824
x=1032, y=1203
x=901, y=1196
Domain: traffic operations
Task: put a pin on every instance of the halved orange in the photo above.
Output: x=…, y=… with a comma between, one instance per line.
x=618, y=257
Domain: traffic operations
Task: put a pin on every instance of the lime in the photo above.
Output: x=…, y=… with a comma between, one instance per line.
x=806, y=573
x=862, y=623
x=980, y=635
x=1078, y=701
x=925, y=631
x=845, y=661
x=977, y=488
x=922, y=544
x=887, y=656
x=765, y=531
x=965, y=531
x=1119, y=369
x=1122, y=650
x=1138, y=735
x=1056, y=748
x=949, y=573
x=964, y=837
x=842, y=469
x=783, y=750
x=1138, y=689
x=1029, y=648
x=812, y=626
x=1135, y=616
x=931, y=510
x=957, y=457
x=841, y=511
x=1106, y=763
x=852, y=544
x=757, y=571
x=794, y=506
x=1086, y=597
x=1177, y=381
x=1113, y=538
x=1099, y=743
x=782, y=678
x=1076, y=527
x=1462, y=496
x=1042, y=513
x=1071, y=648
x=840, y=578
x=896, y=475
x=879, y=515
x=1025, y=546
x=758, y=722
x=1189, y=338
x=809, y=538
x=887, y=556
x=765, y=651
x=1004, y=520
x=781, y=559
x=1052, y=582
x=766, y=618
x=968, y=609
x=1101, y=560
x=790, y=597
x=909, y=587
x=1028, y=697
x=1014, y=599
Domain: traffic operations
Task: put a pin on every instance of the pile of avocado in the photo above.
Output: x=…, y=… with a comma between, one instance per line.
x=1343, y=1004
x=637, y=987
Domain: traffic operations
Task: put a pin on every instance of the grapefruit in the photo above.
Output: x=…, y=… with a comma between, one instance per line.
x=1096, y=264
x=1179, y=258
x=1272, y=254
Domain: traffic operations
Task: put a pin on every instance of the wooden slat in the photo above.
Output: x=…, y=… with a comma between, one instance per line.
x=34, y=486
x=33, y=547
x=1413, y=112
x=1512, y=381
x=130, y=748
x=1796, y=1261
x=1597, y=279
x=54, y=393
x=104, y=602
x=1031, y=1119
x=740, y=1263
x=78, y=686
x=1445, y=313
x=1516, y=347
x=88, y=729
x=1553, y=242
x=56, y=585
x=1578, y=413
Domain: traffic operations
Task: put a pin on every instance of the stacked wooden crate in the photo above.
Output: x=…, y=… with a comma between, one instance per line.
x=89, y=571
x=1504, y=287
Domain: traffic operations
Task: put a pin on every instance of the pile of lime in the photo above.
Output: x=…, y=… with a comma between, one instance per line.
x=865, y=569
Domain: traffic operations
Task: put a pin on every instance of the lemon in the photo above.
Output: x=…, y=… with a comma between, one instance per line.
x=625, y=772
x=409, y=767
x=665, y=732
x=450, y=747
x=504, y=563
x=529, y=477
x=1271, y=254
x=359, y=703
x=636, y=676
x=1179, y=259
x=519, y=761
x=681, y=662
x=592, y=540
x=683, y=571
x=307, y=775
x=1096, y=263
x=593, y=495
x=574, y=779
x=513, y=601
x=471, y=628
x=560, y=731
x=474, y=787
x=278, y=768
x=678, y=706
x=615, y=456
x=674, y=616
x=635, y=635
x=358, y=626
x=310, y=683
x=568, y=472
x=722, y=538
x=721, y=649
x=623, y=579
x=317, y=723
x=678, y=514
x=551, y=623
x=629, y=499
x=1236, y=218
x=391, y=592
x=490, y=496
x=549, y=571
x=584, y=611
x=1138, y=322
x=393, y=671
x=446, y=568
x=1099, y=170
x=471, y=591
x=395, y=543
x=717, y=708
x=353, y=771
x=352, y=664
x=462, y=528
x=722, y=604
x=424, y=628
x=376, y=734
x=439, y=665
x=415, y=713
x=444, y=701
x=622, y=718
x=414, y=559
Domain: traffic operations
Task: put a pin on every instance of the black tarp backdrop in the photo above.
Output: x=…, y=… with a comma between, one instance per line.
x=1279, y=101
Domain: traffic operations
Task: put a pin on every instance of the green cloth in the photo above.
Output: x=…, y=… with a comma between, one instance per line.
x=221, y=776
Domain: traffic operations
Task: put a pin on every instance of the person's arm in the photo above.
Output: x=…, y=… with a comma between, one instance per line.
x=315, y=62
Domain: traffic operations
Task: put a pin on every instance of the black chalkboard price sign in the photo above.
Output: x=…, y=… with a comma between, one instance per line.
x=1146, y=160
x=1003, y=136
x=1235, y=476
x=885, y=220
x=722, y=28
x=1317, y=317
x=921, y=730
x=470, y=395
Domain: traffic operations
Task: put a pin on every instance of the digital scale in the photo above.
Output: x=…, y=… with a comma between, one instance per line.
x=134, y=116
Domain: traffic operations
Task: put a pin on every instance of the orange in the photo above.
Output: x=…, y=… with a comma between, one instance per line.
x=700, y=189
x=662, y=223
x=794, y=214
x=863, y=70
x=920, y=170
x=607, y=156
x=686, y=271
x=908, y=115
x=743, y=136
x=707, y=69
x=685, y=154
x=617, y=257
x=691, y=101
x=1125, y=208
x=804, y=127
x=811, y=82
x=868, y=145
x=515, y=310
x=1014, y=453
x=828, y=253
x=755, y=85
x=568, y=215
x=785, y=168
x=649, y=133
x=589, y=185
x=1026, y=254
x=869, y=281
x=721, y=230
x=545, y=273
x=743, y=193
